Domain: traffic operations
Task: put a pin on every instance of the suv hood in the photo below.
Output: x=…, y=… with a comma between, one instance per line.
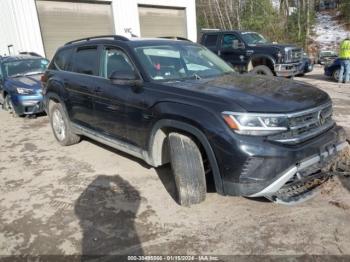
x=30, y=81
x=260, y=93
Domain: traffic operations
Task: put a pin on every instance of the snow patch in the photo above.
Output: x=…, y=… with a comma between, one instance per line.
x=276, y=4
x=328, y=33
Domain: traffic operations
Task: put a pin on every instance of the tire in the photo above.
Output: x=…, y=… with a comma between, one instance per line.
x=187, y=165
x=8, y=106
x=60, y=125
x=262, y=70
x=335, y=75
x=342, y=164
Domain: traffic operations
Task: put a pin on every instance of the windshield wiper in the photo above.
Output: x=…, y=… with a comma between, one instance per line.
x=16, y=75
x=33, y=73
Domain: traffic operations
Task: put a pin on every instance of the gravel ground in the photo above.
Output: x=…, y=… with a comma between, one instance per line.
x=91, y=199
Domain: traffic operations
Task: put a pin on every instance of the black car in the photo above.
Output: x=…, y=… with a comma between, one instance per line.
x=250, y=52
x=332, y=70
x=175, y=101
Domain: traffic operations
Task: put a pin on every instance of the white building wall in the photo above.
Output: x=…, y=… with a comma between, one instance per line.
x=19, y=26
x=126, y=15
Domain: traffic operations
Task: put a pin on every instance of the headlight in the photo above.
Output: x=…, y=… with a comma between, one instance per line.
x=24, y=91
x=256, y=124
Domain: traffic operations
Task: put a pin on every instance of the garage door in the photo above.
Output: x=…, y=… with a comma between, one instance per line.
x=155, y=22
x=61, y=22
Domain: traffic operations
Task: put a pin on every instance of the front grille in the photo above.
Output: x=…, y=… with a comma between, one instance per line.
x=307, y=124
x=294, y=55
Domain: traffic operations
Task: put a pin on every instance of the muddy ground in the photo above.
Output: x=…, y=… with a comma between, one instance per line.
x=90, y=199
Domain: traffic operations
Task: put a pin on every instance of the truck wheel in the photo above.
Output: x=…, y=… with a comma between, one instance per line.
x=187, y=166
x=335, y=75
x=262, y=70
x=61, y=126
x=342, y=164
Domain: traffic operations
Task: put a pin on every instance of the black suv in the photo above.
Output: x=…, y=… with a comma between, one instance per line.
x=175, y=101
x=250, y=51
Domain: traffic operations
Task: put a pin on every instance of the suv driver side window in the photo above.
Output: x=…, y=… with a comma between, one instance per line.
x=113, y=60
x=228, y=39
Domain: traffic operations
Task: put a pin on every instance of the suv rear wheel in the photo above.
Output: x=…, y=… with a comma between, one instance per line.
x=61, y=126
x=187, y=165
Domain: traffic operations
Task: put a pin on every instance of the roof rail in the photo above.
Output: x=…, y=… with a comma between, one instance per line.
x=175, y=38
x=30, y=53
x=210, y=29
x=115, y=37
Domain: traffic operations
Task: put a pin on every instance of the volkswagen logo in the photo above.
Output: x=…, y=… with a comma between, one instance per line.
x=321, y=118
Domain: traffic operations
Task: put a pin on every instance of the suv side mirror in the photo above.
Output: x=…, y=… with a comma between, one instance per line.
x=125, y=78
x=236, y=44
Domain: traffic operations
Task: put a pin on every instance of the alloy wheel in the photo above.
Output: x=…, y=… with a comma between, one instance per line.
x=58, y=125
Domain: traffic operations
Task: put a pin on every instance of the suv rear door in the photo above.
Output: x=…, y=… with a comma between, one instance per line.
x=210, y=41
x=81, y=85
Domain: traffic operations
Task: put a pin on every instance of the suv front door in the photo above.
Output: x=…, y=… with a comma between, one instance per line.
x=112, y=107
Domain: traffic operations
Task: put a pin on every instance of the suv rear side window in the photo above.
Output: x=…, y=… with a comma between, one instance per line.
x=86, y=60
x=62, y=60
x=211, y=40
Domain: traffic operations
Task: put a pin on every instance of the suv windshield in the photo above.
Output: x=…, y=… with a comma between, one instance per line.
x=176, y=62
x=252, y=38
x=24, y=67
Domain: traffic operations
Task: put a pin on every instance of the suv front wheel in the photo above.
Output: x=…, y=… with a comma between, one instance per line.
x=187, y=165
x=262, y=70
x=61, y=126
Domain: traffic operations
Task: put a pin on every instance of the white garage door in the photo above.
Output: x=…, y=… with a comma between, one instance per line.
x=61, y=22
x=155, y=22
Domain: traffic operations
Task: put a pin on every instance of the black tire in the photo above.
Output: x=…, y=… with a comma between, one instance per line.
x=342, y=163
x=335, y=75
x=8, y=106
x=261, y=70
x=187, y=165
x=66, y=137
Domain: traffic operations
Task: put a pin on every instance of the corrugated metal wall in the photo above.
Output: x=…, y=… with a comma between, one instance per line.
x=19, y=27
x=126, y=15
x=19, y=24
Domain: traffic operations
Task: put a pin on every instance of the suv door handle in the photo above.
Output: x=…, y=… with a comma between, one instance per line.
x=98, y=90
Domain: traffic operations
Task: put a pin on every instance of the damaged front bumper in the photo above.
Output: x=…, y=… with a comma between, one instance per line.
x=28, y=104
x=303, y=170
x=260, y=168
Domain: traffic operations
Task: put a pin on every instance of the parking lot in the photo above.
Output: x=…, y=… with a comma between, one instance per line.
x=91, y=199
